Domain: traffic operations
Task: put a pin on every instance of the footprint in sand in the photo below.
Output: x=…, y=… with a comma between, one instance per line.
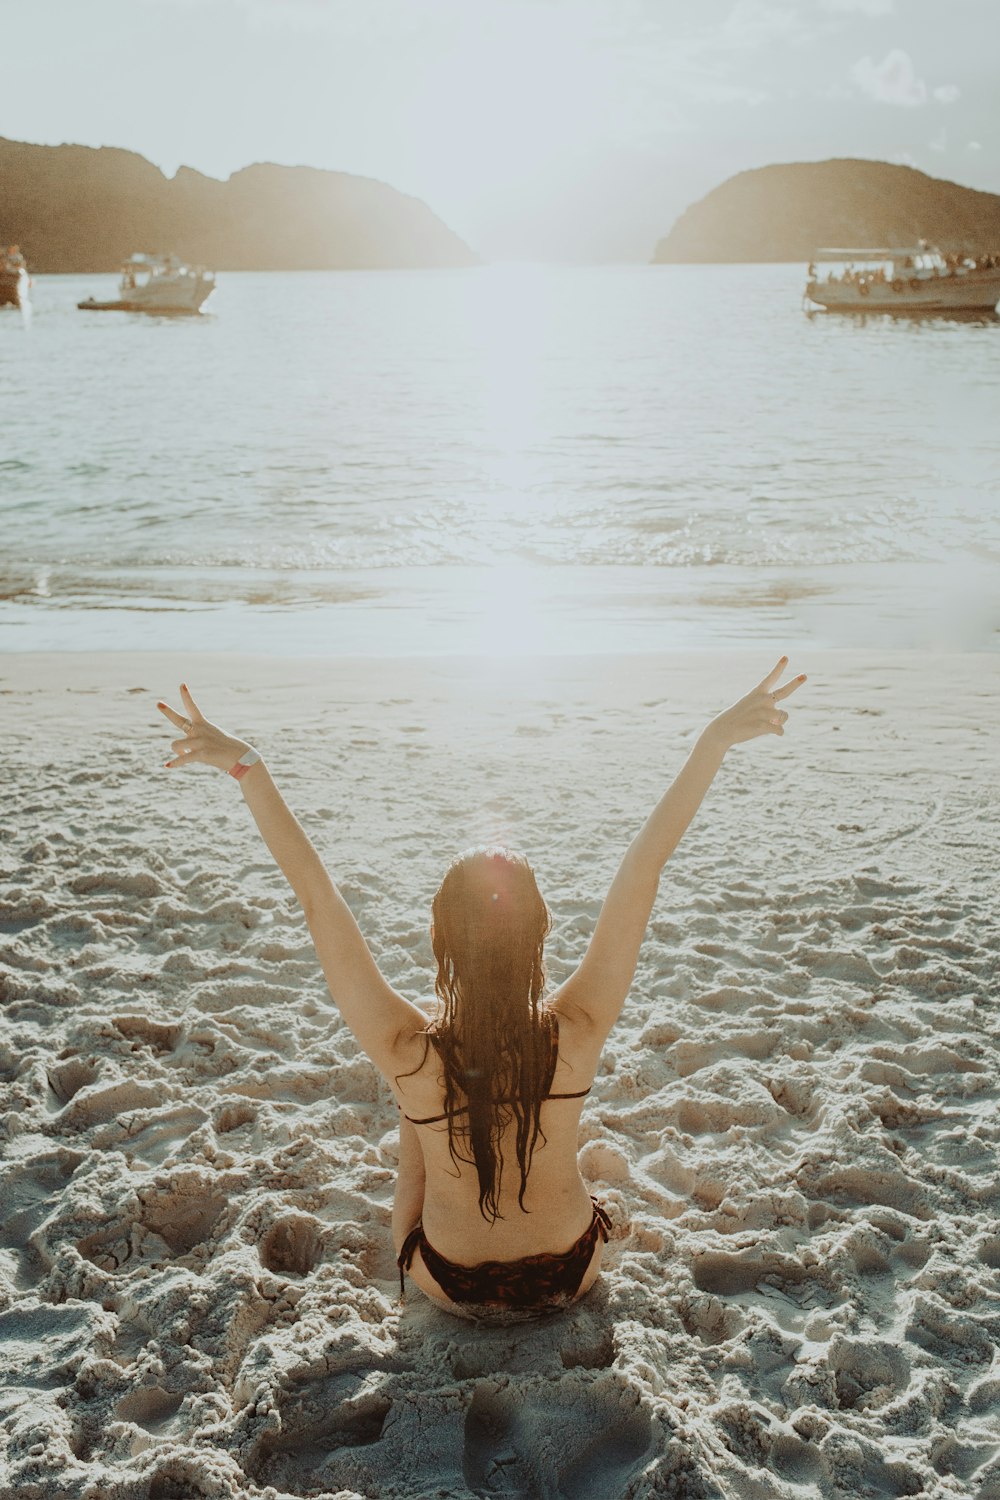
x=579, y=1444
x=183, y=1217
x=99, y=1104
x=182, y=1479
x=727, y=1275
x=233, y=1117
x=27, y=1197
x=174, y=1221
x=989, y=1252
x=141, y=1031
x=150, y=1407
x=321, y=1420
x=160, y=1136
x=66, y=1080
x=291, y=1247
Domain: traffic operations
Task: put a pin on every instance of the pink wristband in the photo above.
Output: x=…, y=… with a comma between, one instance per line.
x=243, y=765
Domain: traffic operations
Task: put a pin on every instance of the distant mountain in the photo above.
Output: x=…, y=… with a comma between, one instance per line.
x=74, y=208
x=784, y=213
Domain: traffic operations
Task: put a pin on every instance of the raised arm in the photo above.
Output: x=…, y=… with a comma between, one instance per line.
x=373, y=1010
x=596, y=992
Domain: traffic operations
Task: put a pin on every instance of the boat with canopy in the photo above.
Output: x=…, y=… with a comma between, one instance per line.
x=918, y=278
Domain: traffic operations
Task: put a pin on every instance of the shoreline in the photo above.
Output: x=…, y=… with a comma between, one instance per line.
x=524, y=610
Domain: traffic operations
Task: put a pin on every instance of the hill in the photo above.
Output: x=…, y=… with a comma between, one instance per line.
x=77, y=208
x=784, y=212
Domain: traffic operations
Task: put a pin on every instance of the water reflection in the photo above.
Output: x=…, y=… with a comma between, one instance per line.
x=914, y=317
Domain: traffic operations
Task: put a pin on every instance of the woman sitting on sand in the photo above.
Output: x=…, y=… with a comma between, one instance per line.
x=475, y=1085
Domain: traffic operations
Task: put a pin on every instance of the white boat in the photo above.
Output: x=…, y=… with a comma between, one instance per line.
x=157, y=284
x=14, y=278
x=920, y=279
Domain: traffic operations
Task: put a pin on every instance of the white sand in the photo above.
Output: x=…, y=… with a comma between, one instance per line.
x=795, y=1128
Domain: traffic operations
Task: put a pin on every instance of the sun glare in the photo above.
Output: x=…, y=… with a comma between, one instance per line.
x=506, y=619
x=514, y=339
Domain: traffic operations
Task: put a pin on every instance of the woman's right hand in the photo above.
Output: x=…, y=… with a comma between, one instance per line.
x=757, y=713
x=202, y=743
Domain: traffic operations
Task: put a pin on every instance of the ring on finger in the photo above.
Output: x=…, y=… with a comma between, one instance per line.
x=187, y=726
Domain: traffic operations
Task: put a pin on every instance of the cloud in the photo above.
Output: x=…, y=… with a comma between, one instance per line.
x=863, y=7
x=947, y=93
x=974, y=146
x=892, y=81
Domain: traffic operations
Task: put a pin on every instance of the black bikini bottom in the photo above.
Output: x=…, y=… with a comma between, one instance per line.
x=539, y=1283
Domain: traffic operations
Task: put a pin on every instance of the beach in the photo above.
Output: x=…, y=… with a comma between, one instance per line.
x=793, y=1128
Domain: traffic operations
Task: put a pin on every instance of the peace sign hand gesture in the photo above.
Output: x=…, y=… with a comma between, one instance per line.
x=202, y=743
x=757, y=713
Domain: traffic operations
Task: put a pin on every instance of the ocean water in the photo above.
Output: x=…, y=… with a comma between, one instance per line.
x=501, y=459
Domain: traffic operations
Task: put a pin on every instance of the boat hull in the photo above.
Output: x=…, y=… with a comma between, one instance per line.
x=160, y=309
x=966, y=293
x=14, y=288
x=161, y=296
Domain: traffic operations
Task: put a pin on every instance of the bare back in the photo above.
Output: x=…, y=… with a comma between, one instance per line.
x=558, y=1204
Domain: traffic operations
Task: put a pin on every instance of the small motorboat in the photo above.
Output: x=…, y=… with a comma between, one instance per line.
x=14, y=279
x=921, y=279
x=157, y=284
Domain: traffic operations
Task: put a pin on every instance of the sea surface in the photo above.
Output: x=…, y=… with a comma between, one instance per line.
x=504, y=459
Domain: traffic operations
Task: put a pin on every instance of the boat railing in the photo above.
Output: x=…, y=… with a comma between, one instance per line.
x=873, y=267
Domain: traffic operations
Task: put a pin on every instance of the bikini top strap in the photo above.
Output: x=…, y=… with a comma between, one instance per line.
x=580, y=1093
x=553, y=1055
x=435, y=1119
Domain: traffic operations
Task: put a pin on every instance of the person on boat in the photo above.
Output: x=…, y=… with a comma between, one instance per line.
x=491, y=1215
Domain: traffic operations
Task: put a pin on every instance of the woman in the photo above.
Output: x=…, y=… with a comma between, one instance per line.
x=491, y=1215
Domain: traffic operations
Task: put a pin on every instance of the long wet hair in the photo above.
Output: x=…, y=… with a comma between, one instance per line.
x=492, y=1036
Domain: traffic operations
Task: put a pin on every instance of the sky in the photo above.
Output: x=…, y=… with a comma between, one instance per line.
x=537, y=129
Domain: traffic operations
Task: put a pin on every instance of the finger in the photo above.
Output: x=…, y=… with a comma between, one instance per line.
x=171, y=713
x=189, y=758
x=789, y=687
x=185, y=747
x=767, y=682
x=193, y=710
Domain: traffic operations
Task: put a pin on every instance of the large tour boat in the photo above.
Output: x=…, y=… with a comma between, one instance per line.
x=14, y=278
x=157, y=284
x=921, y=279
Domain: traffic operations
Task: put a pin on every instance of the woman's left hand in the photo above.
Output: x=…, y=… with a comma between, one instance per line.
x=757, y=713
x=202, y=743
